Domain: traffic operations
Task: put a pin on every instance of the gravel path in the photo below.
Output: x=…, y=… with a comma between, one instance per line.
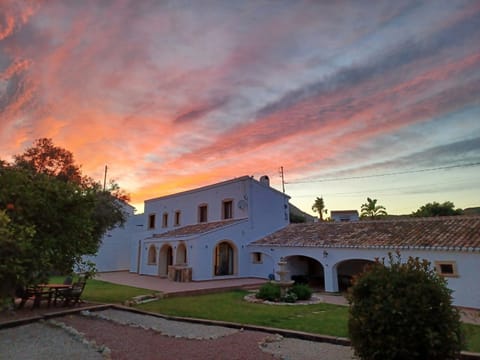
x=43, y=341
x=166, y=327
x=117, y=334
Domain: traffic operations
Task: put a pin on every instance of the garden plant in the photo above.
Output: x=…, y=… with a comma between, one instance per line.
x=403, y=311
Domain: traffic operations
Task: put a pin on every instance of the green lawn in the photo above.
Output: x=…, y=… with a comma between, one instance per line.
x=472, y=337
x=105, y=292
x=322, y=318
x=229, y=306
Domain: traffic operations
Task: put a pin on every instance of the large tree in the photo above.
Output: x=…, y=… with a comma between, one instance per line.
x=67, y=213
x=437, y=209
x=16, y=250
x=319, y=206
x=371, y=210
x=46, y=158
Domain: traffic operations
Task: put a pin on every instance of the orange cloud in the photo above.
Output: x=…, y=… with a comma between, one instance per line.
x=170, y=102
x=14, y=15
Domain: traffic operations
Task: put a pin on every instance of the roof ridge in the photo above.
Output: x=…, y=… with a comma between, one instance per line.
x=409, y=219
x=461, y=233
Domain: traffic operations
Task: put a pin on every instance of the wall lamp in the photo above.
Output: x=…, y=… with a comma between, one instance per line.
x=325, y=253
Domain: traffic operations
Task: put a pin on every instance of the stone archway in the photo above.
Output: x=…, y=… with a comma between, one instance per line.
x=225, y=256
x=165, y=259
x=306, y=269
x=347, y=269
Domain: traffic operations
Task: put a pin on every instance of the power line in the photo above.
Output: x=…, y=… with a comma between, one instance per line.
x=393, y=190
x=385, y=174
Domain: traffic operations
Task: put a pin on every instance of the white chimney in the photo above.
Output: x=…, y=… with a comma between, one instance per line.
x=265, y=180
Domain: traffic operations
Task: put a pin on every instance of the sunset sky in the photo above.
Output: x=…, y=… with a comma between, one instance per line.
x=352, y=98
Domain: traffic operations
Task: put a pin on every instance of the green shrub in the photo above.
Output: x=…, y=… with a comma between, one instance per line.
x=302, y=291
x=269, y=291
x=290, y=297
x=403, y=311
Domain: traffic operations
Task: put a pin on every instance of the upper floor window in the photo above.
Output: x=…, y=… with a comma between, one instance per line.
x=151, y=221
x=227, y=209
x=177, y=218
x=202, y=213
x=165, y=220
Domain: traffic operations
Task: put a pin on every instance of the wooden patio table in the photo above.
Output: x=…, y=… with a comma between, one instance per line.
x=49, y=290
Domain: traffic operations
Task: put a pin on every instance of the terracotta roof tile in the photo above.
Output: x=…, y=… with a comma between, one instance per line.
x=197, y=229
x=460, y=232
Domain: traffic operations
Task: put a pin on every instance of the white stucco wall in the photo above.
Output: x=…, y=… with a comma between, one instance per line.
x=262, y=209
x=201, y=250
x=114, y=253
x=268, y=210
x=465, y=286
x=189, y=201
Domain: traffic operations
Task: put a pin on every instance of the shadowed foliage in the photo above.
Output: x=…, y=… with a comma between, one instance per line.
x=403, y=311
x=57, y=214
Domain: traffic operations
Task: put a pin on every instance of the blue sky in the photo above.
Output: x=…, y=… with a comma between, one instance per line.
x=179, y=94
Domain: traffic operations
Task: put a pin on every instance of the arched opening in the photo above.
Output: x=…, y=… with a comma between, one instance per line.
x=181, y=258
x=306, y=270
x=347, y=269
x=165, y=260
x=152, y=255
x=225, y=254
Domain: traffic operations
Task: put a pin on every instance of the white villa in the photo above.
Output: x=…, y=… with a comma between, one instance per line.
x=241, y=228
x=203, y=234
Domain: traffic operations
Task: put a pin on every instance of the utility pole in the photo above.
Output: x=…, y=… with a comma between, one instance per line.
x=285, y=199
x=283, y=180
x=105, y=178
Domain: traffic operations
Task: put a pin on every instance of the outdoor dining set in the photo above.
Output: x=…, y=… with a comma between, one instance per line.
x=64, y=294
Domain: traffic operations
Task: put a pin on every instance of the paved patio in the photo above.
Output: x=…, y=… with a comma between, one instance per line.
x=177, y=288
x=194, y=287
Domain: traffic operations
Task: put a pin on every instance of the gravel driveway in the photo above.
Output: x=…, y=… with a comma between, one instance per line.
x=117, y=334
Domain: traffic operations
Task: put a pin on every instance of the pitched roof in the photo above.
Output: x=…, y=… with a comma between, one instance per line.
x=197, y=229
x=460, y=233
x=216, y=185
x=344, y=212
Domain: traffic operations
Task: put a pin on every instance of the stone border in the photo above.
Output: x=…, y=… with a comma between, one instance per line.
x=464, y=355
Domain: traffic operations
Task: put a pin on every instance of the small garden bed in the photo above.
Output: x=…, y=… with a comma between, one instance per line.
x=279, y=293
x=252, y=298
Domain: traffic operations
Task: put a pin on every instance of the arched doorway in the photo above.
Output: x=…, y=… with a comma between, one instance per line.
x=181, y=257
x=165, y=260
x=347, y=269
x=225, y=254
x=307, y=270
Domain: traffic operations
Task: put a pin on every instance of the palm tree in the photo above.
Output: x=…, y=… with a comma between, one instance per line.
x=319, y=206
x=372, y=210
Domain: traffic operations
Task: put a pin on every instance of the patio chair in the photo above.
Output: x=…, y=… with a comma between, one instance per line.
x=34, y=293
x=71, y=295
x=23, y=294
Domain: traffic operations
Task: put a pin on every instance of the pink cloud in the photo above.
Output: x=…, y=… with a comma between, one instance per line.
x=171, y=102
